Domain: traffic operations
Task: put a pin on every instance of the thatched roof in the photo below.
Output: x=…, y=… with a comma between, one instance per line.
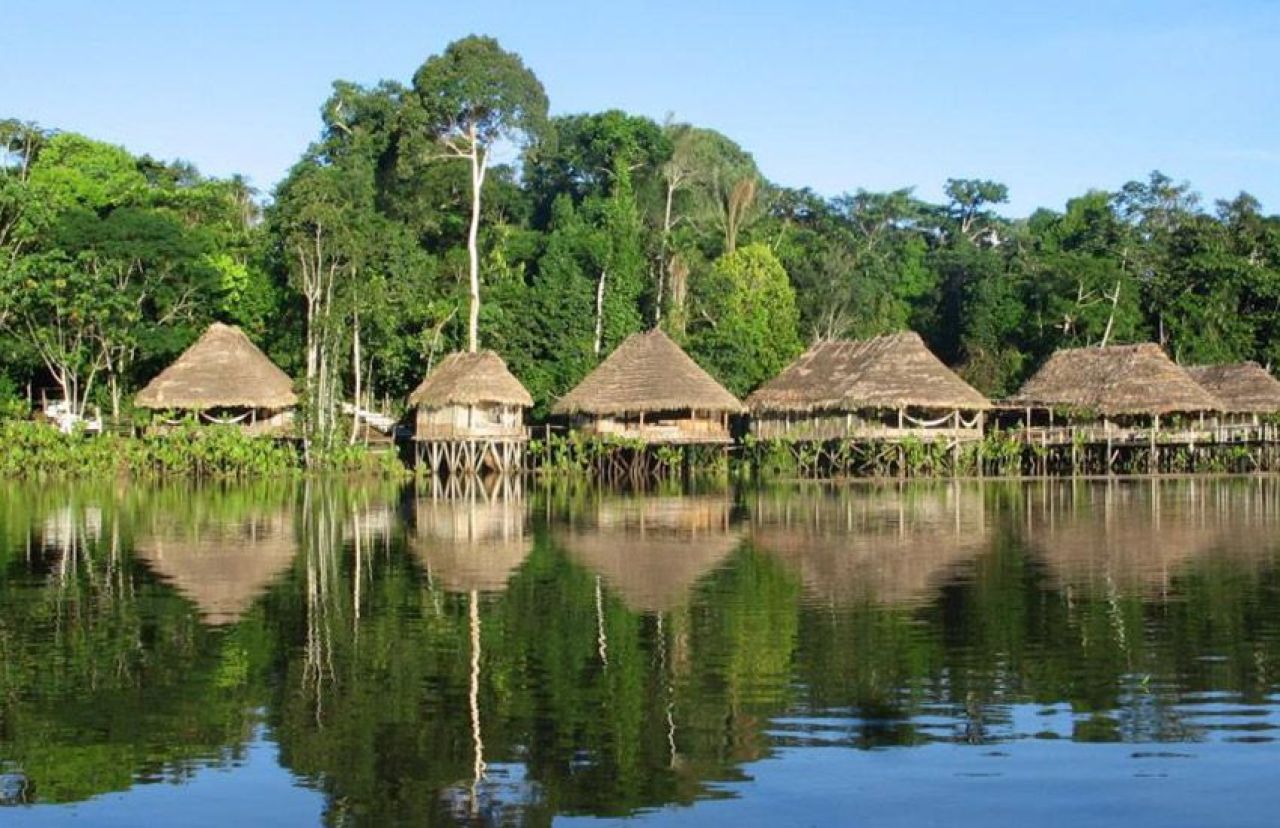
x=223, y=369
x=467, y=545
x=647, y=372
x=470, y=379
x=221, y=568
x=892, y=371
x=652, y=550
x=883, y=547
x=1116, y=380
x=1242, y=386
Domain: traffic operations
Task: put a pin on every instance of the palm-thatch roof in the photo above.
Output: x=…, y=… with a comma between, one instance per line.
x=223, y=369
x=468, y=545
x=221, y=567
x=470, y=379
x=652, y=550
x=1115, y=380
x=891, y=371
x=1242, y=386
x=889, y=547
x=647, y=372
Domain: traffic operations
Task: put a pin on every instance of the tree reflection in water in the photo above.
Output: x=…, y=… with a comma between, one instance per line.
x=497, y=659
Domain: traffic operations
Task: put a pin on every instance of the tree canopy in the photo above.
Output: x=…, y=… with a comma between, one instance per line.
x=366, y=263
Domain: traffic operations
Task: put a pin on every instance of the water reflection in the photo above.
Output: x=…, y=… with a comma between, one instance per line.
x=889, y=545
x=1138, y=536
x=651, y=550
x=221, y=565
x=491, y=659
x=470, y=545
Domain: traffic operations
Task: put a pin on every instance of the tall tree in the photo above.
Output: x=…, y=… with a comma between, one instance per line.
x=472, y=96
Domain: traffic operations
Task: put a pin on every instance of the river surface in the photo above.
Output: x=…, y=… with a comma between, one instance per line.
x=1043, y=653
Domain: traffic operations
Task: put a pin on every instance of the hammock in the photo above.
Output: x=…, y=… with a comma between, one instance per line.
x=962, y=423
x=209, y=418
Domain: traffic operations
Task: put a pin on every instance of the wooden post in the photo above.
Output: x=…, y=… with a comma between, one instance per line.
x=1106, y=422
x=1154, y=464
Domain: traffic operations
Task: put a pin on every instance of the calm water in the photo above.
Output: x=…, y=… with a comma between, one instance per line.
x=950, y=654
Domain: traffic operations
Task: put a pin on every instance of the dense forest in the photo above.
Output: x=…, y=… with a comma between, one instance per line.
x=575, y=231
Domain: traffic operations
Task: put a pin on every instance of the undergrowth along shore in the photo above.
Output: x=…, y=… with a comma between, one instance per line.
x=29, y=449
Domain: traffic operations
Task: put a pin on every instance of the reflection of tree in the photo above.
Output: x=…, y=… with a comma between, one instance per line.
x=106, y=675
x=421, y=673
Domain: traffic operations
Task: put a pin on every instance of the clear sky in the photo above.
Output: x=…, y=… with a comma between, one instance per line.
x=1050, y=98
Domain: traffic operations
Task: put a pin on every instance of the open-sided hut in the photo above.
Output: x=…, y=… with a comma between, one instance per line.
x=651, y=551
x=470, y=413
x=1112, y=397
x=224, y=378
x=1248, y=393
x=1118, y=381
x=221, y=567
x=650, y=390
x=883, y=388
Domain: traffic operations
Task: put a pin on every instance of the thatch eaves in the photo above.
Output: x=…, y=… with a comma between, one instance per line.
x=647, y=372
x=470, y=379
x=891, y=371
x=1116, y=380
x=222, y=369
x=1242, y=386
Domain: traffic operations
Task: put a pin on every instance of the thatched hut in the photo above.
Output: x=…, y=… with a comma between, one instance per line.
x=649, y=389
x=652, y=550
x=470, y=545
x=1247, y=390
x=1135, y=382
x=881, y=388
x=470, y=413
x=221, y=567
x=888, y=546
x=224, y=378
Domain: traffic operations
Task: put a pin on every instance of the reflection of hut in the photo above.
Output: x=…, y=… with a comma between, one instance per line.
x=1247, y=390
x=883, y=388
x=225, y=378
x=469, y=546
x=221, y=567
x=887, y=547
x=650, y=390
x=652, y=550
x=470, y=412
x=1137, y=536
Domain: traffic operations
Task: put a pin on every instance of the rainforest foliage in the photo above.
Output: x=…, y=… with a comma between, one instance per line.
x=356, y=271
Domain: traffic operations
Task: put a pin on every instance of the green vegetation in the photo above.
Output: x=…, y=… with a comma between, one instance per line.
x=357, y=656
x=370, y=259
x=34, y=449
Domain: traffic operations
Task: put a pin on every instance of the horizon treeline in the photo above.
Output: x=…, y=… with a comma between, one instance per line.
x=576, y=231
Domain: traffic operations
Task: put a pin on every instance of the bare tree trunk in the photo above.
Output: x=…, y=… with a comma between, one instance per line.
x=1111, y=319
x=600, y=311
x=478, y=158
x=663, y=257
x=355, y=368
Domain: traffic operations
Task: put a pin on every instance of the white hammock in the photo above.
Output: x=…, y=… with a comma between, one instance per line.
x=223, y=420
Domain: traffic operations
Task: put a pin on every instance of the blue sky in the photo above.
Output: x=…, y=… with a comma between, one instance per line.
x=1049, y=98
